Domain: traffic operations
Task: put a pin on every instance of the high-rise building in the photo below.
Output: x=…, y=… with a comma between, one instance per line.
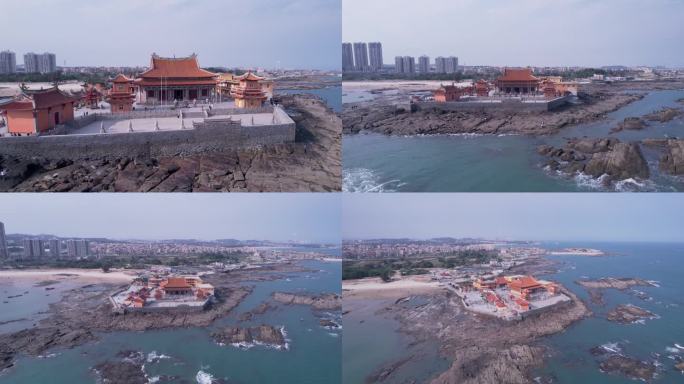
x=424, y=64
x=47, y=63
x=4, y=253
x=33, y=248
x=40, y=63
x=451, y=65
x=347, y=57
x=399, y=64
x=375, y=53
x=78, y=248
x=54, y=248
x=446, y=64
x=360, y=57
x=8, y=62
x=440, y=64
x=409, y=64
x=31, y=62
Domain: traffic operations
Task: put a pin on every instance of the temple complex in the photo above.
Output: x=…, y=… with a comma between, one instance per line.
x=175, y=79
x=36, y=112
x=517, y=81
x=168, y=292
x=248, y=93
x=122, y=94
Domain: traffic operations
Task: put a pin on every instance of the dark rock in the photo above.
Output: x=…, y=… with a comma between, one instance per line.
x=622, y=161
x=630, y=367
x=263, y=334
x=672, y=161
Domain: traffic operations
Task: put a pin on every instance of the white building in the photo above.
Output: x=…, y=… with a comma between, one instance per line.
x=8, y=62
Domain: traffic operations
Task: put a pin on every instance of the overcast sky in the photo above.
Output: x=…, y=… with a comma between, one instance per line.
x=258, y=216
x=509, y=216
x=232, y=33
x=523, y=32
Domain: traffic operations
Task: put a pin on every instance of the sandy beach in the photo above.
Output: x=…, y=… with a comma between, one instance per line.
x=84, y=275
x=375, y=288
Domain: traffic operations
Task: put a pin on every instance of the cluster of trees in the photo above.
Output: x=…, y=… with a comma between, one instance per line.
x=386, y=268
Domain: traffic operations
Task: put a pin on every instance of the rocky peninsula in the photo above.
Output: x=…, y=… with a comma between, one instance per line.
x=311, y=164
x=392, y=120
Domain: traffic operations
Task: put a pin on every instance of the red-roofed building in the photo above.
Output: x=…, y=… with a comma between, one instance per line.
x=122, y=94
x=447, y=93
x=179, y=79
x=36, y=112
x=177, y=286
x=517, y=81
x=248, y=93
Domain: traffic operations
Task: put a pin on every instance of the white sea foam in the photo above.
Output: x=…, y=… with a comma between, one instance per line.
x=366, y=180
x=673, y=350
x=152, y=356
x=204, y=377
x=612, y=347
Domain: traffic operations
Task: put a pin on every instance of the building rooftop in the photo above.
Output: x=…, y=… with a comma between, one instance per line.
x=163, y=67
x=517, y=74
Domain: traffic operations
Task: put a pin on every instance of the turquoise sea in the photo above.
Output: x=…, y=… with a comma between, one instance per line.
x=314, y=353
x=485, y=163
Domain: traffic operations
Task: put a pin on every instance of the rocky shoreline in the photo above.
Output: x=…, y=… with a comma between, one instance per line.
x=621, y=283
x=311, y=164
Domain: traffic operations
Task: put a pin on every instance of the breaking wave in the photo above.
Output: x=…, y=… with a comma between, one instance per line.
x=366, y=180
x=204, y=377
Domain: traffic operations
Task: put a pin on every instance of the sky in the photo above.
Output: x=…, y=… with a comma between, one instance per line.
x=509, y=216
x=290, y=34
x=299, y=217
x=523, y=32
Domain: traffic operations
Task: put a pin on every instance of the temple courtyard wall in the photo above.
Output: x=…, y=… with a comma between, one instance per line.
x=202, y=135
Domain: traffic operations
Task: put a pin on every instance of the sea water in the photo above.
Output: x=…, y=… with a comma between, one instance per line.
x=486, y=163
x=191, y=355
x=662, y=263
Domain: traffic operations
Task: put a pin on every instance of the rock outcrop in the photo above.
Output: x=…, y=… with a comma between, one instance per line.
x=598, y=157
x=325, y=301
x=629, y=367
x=628, y=314
x=630, y=123
x=260, y=335
x=672, y=160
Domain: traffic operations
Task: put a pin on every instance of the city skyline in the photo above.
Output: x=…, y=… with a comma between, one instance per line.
x=514, y=216
x=292, y=34
x=538, y=32
x=280, y=217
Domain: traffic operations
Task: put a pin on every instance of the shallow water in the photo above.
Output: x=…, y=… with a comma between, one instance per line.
x=332, y=95
x=485, y=163
x=313, y=356
x=372, y=340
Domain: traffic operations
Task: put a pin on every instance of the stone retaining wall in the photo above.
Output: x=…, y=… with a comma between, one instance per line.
x=203, y=139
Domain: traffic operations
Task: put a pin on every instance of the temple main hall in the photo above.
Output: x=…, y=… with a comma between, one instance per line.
x=175, y=80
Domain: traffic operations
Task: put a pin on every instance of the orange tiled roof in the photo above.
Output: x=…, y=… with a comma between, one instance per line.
x=176, y=68
x=120, y=78
x=525, y=282
x=40, y=99
x=177, y=282
x=520, y=74
x=249, y=76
